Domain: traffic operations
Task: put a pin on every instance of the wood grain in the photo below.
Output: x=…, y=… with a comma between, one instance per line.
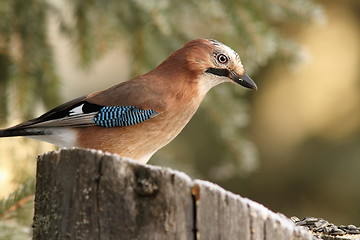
x=88, y=194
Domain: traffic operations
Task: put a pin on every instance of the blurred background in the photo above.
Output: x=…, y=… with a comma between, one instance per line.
x=293, y=145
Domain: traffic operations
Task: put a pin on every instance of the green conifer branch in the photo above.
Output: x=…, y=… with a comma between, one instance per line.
x=14, y=201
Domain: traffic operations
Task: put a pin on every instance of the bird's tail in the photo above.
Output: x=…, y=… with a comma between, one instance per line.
x=15, y=132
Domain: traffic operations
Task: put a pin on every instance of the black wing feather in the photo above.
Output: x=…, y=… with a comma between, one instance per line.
x=60, y=112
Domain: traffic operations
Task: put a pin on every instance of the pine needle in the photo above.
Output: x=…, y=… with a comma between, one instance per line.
x=17, y=199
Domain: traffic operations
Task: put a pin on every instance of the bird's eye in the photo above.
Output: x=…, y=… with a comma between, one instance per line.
x=221, y=58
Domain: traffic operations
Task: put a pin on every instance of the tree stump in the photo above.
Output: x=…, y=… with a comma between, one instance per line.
x=88, y=194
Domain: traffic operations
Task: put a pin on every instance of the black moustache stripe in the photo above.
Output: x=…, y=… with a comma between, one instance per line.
x=218, y=72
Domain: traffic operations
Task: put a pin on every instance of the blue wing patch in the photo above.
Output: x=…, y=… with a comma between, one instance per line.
x=120, y=116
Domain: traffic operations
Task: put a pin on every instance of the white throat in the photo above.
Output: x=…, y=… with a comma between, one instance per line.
x=208, y=81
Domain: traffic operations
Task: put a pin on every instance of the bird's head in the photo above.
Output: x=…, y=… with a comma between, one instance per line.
x=216, y=63
x=204, y=62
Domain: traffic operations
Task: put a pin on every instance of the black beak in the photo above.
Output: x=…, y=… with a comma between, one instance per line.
x=243, y=80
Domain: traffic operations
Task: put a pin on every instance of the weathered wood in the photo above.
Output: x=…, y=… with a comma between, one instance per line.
x=223, y=215
x=220, y=214
x=66, y=196
x=87, y=194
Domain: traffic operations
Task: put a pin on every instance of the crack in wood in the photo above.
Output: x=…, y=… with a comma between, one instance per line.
x=264, y=232
x=195, y=230
x=97, y=194
x=250, y=223
x=195, y=196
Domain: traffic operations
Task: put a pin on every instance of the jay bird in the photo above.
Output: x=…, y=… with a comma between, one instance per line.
x=138, y=117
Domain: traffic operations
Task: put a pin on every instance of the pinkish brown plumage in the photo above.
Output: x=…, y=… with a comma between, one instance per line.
x=136, y=118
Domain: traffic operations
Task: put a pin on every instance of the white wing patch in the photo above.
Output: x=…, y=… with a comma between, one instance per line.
x=76, y=118
x=77, y=110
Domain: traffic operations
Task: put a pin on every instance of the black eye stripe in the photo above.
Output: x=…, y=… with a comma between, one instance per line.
x=218, y=72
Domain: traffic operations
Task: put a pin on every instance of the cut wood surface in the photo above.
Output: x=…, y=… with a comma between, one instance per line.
x=87, y=194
